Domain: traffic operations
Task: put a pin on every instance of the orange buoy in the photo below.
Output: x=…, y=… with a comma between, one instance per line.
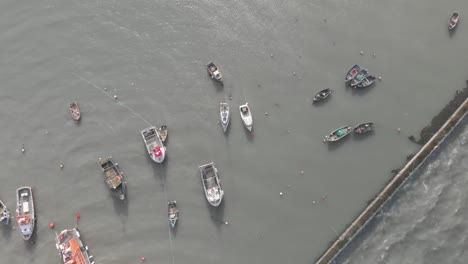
x=78, y=216
x=143, y=259
x=252, y=134
x=51, y=225
x=324, y=197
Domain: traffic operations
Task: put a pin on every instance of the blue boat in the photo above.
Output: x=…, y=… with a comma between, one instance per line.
x=173, y=213
x=4, y=214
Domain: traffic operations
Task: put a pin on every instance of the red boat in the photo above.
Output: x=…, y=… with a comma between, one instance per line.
x=75, y=111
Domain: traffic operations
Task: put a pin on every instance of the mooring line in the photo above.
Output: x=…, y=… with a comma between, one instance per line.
x=169, y=228
x=118, y=102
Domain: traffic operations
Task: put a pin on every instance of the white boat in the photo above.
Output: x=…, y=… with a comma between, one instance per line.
x=224, y=115
x=211, y=184
x=25, y=215
x=154, y=144
x=246, y=116
x=4, y=214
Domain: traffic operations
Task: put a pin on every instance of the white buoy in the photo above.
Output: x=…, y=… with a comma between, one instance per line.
x=115, y=97
x=380, y=78
x=362, y=52
x=313, y=201
x=226, y=223
x=300, y=78
x=289, y=131
x=105, y=89
x=271, y=55
x=281, y=193
x=266, y=113
x=294, y=73
x=373, y=54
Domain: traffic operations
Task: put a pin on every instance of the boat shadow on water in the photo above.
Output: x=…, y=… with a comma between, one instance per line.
x=334, y=145
x=359, y=137
x=249, y=134
x=8, y=229
x=121, y=207
x=362, y=91
x=217, y=214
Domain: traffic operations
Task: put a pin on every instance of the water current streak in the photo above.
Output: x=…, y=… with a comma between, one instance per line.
x=144, y=120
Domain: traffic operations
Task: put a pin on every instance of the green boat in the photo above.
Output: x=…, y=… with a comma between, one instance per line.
x=338, y=134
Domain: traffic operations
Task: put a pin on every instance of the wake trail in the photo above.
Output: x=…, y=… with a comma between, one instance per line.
x=118, y=102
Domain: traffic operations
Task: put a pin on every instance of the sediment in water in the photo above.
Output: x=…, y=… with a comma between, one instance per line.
x=431, y=136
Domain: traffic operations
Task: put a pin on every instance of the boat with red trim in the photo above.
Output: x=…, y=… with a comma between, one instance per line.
x=154, y=144
x=71, y=248
x=25, y=215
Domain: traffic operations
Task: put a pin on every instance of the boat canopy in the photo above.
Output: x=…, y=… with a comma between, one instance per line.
x=157, y=151
x=23, y=220
x=341, y=132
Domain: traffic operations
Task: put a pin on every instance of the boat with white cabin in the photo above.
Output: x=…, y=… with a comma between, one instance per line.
x=154, y=144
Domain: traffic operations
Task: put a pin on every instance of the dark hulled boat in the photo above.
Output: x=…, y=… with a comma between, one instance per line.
x=114, y=177
x=364, y=128
x=322, y=95
x=453, y=20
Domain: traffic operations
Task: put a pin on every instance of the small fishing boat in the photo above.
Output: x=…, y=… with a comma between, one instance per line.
x=4, y=214
x=364, y=128
x=224, y=115
x=359, y=77
x=352, y=73
x=322, y=95
x=453, y=20
x=246, y=116
x=173, y=213
x=214, y=72
x=366, y=82
x=154, y=144
x=75, y=111
x=25, y=216
x=338, y=134
x=113, y=177
x=211, y=184
x=163, y=133
x=71, y=248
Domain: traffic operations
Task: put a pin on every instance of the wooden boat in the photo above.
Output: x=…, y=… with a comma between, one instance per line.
x=25, y=216
x=366, y=82
x=224, y=115
x=359, y=77
x=338, y=134
x=71, y=248
x=211, y=184
x=214, y=72
x=246, y=116
x=173, y=213
x=4, y=214
x=364, y=128
x=352, y=73
x=163, y=133
x=154, y=144
x=322, y=95
x=75, y=111
x=453, y=20
x=113, y=177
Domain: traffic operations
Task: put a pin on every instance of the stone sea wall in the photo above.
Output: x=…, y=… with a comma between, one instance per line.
x=432, y=136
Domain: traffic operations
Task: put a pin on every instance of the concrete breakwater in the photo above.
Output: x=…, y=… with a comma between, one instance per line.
x=431, y=136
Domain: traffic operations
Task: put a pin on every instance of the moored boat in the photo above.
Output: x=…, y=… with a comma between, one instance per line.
x=364, y=128
x=224, y=115
x=25, y=215
x=246, y=116
x=359, y=77
x=71, y=248
x=4, y=214
x=322, y=95
x=352, y=73
x=211, y=184
x=366, y=82
x=338, y=134
x=173, y=213
x=214, y=72
x=75, y=111
x=163, y=133
x=453, y=20
x=154, y=144
x=114, y=177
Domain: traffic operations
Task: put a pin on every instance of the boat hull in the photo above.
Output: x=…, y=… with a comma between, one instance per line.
x=25, y=212
x=173, y=213
x=114, y=178
x=4, y=214
x=246, y=117
x=154, y=145
x=453, y=21
x=321, y=96
x=224, y=115
x=338, y=134
x=211, y=184
x=363, y=128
